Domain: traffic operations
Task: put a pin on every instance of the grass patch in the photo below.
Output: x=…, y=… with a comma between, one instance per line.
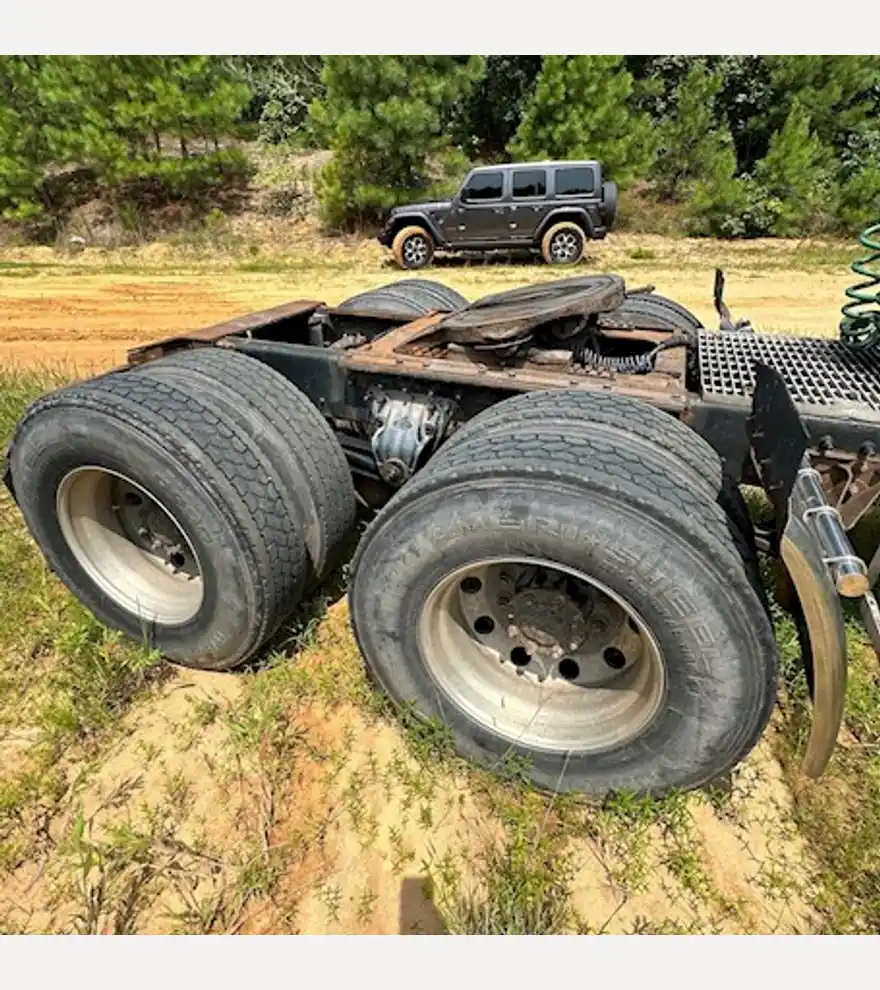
x=65, y=680
x=519, y=882
x=839, y=814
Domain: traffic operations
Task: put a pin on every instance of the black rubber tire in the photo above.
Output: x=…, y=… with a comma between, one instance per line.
x=665, y=438
x=409, y=298
x=206, y=469
x=400, y=239
x=665, y=314
x=654, y=541
x=620, y=412
x=295, y=438
x=608, y=206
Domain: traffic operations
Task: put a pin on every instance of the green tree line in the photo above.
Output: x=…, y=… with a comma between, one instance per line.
x=747, y=146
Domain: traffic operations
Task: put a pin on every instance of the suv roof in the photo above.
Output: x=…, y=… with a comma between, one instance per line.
x=542, y=164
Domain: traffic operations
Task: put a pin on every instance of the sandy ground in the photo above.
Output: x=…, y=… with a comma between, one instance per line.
x=356, y=825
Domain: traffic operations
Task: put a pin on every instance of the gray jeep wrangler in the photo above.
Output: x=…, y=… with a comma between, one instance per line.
x=551, y=207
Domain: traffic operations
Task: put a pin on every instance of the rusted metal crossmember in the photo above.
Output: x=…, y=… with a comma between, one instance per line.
x=241, y=325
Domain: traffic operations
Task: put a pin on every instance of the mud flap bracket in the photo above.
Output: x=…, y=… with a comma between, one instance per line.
x=816, y=552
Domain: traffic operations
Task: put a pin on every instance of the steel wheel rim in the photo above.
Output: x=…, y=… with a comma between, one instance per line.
x=587, y=700
x=130, y=545
x=564, y=246
x=415, y=250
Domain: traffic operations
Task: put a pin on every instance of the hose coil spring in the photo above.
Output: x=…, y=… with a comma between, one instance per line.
x=860, y=326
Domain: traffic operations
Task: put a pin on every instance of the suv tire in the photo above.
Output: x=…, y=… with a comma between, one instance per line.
x=563, y=244
x=413, y=247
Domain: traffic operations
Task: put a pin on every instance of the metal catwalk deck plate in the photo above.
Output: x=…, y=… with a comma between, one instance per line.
x=819, y=372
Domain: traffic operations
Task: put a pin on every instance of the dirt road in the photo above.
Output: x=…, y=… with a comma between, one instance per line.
x=87, y=320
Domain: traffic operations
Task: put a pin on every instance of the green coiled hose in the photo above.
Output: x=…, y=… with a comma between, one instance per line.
x=860, y=326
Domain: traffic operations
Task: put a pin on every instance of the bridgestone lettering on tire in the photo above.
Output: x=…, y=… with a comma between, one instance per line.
x=602, y=510
x=631, y=421
x=258, y=539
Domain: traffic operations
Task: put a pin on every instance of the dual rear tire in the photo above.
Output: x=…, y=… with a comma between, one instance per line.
x=563, y=585
x=189, y=503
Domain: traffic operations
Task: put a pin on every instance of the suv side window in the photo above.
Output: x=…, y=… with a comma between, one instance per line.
x=577, y=181
x=529, y=183
x=484, y=186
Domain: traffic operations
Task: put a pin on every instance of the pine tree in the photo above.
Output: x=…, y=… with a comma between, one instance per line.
x=487, y=119
x=114, y=115
x=689, y=140
x=792, y=174
x=23, y=148
x=282, y=88
x=836, y=91
x=580, y=109
x=718, y=198
x=385, y=114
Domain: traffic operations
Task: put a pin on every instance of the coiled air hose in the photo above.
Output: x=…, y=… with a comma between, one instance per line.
x=860, y=326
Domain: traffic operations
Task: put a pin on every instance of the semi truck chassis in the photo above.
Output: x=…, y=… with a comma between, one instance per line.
x=547, y=429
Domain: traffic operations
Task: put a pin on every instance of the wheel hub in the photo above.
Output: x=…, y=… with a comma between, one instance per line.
x=564, y=246
x=130, y=545
x=415, y=249
x=547, y=622
x=151, y=529
x=542, y=654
